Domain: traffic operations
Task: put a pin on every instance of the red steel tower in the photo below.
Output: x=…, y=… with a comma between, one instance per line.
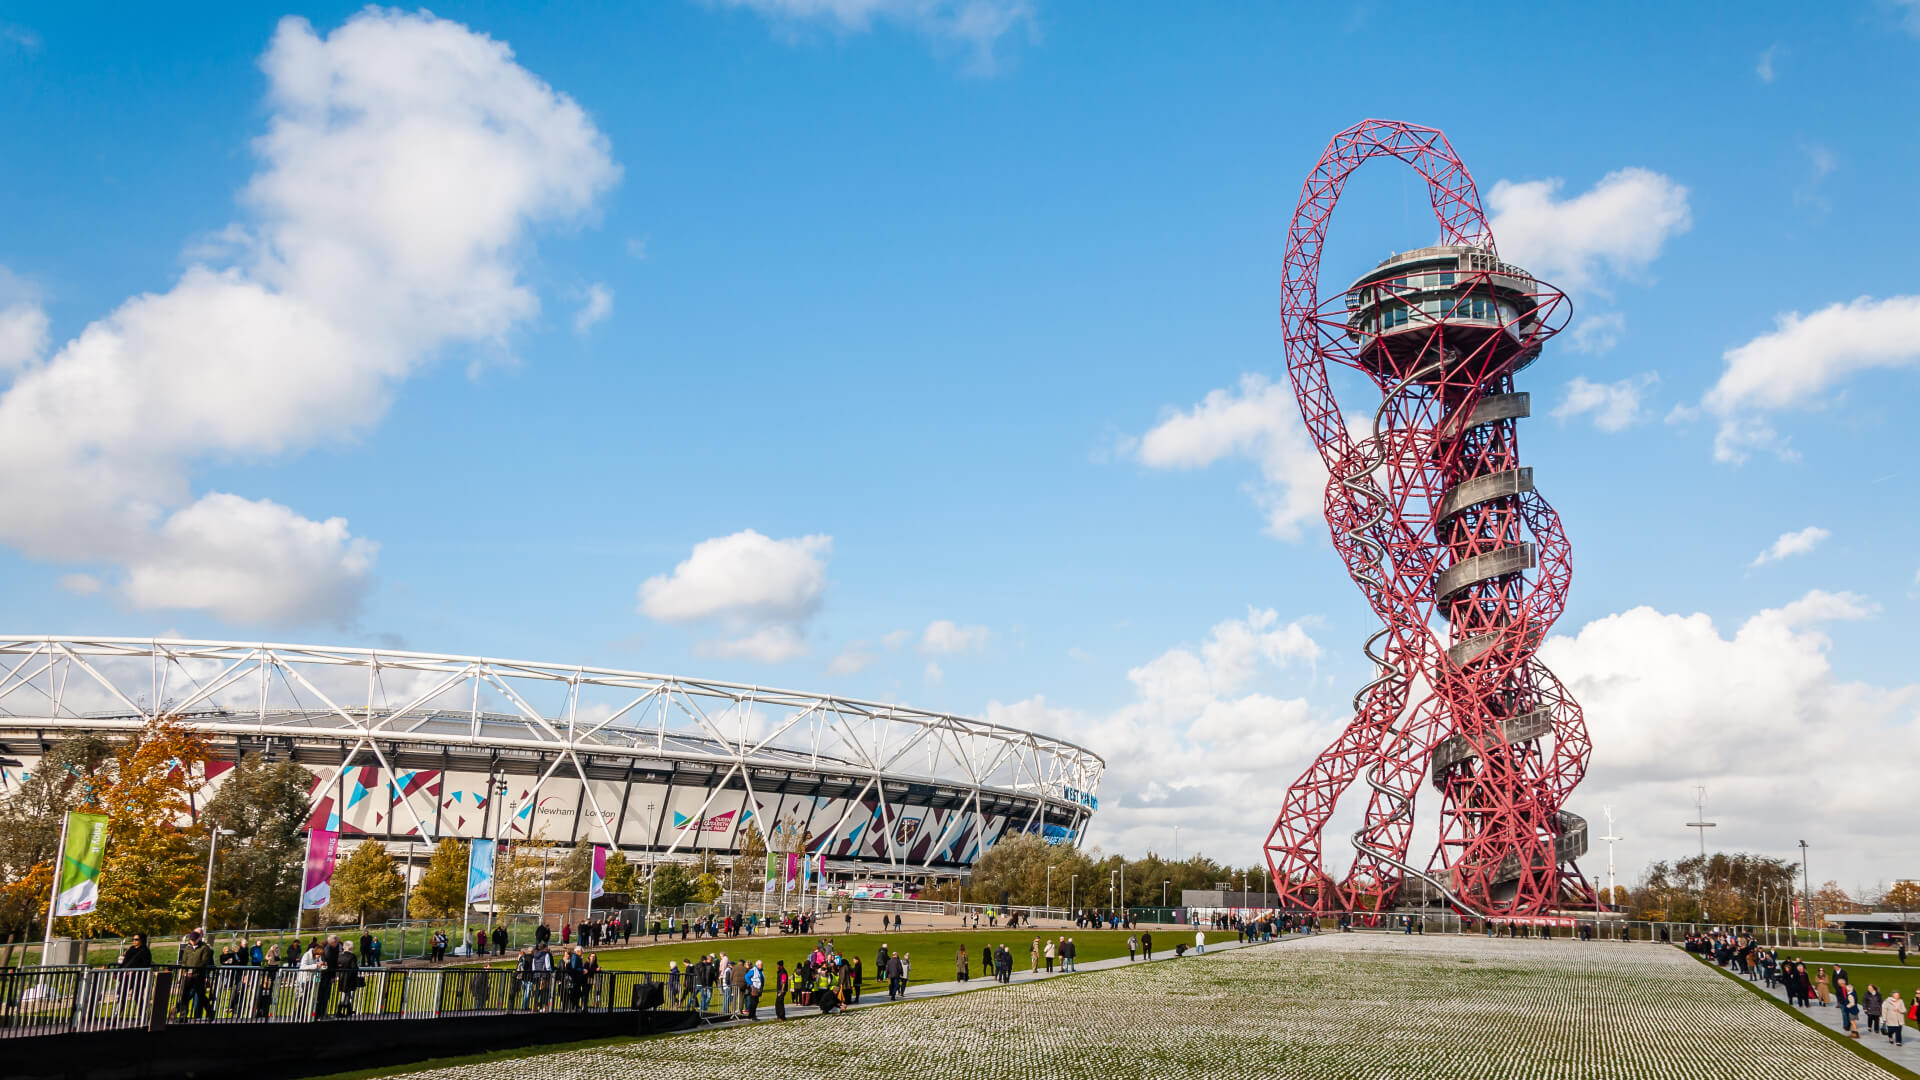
x=1463, y=562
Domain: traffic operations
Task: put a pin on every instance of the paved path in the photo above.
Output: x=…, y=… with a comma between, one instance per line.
x=1907, y=1056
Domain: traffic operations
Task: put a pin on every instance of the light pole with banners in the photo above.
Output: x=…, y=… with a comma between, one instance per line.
x=206, y=896
x=1049, y=888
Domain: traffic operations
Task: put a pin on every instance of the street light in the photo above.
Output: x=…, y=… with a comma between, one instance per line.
x=1049, y=888
x=206, y=897
x=1071, y=882
x=653, y=866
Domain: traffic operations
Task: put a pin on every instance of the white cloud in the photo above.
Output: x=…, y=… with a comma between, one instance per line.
x=1079, y=655
x=1614, y=229
x=942, y=636
x=934, y=675
x=1792, y=365
x=23, y=337
x=81, y=584
x=855, y=658
x=754, y=585
x=254, y=562
x=1615, y=406
x=975, y=25
x=405, y=160
x=598, y=305
x=1793, y=543
x=743, y=576
x=768, y=645
x=1596, y=334
x=1764, y=68
x=895, y=638
x=1258, y=421
x=1759, y=717
x=1196, y=734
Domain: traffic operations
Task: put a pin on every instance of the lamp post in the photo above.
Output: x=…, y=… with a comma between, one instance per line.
x=1176, y=843
x=1071, y=882
x=1806, y=883
x=206, y=896
x=1164, y=886
x=653, y=867
x=1049, y=887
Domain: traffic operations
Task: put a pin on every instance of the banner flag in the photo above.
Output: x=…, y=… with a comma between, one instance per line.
x=316, y=888
x=78, y=888
x=480, y=872
x=773, y=873
x=793, y=869
x=598, y=887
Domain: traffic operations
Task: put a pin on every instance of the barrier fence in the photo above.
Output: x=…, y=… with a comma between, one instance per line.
x=63, y=1000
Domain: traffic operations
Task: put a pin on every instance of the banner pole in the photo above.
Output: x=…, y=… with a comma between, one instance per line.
x=53, y=898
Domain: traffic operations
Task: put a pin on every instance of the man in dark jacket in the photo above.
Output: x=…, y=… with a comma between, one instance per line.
x=329, y=976
x=1146, y=943
x=500, y=939
x=196, y=964
x=896, y=978
x=880, y=965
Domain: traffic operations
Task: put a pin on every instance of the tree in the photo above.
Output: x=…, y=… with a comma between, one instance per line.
x=441, y=892
x=575, y=872
x=1014, y=871
x=258, y=871
x=1904, y=898
x=67, y=777
x=672, y=886
x=622, y=876
x=367, y=881
x=519, y=875
x=152, y=875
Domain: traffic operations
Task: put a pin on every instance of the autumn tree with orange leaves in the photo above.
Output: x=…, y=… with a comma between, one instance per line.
x=151, y=881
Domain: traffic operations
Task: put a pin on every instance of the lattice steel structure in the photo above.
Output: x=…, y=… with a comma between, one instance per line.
x=412, y=746
x=1437, y=521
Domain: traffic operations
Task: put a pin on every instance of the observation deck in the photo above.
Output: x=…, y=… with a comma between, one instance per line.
x=1488, y=311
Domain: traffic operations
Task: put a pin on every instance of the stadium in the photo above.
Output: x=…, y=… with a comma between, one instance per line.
x=411, y=747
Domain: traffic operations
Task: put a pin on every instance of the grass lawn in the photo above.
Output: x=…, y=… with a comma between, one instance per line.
x=932, y=951
x=1334, y=1006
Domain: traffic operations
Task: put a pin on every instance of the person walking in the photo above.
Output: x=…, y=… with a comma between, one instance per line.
x=1133, y=946
x=1072, y=954
x=196, y=967
x=1823, y=987
x=1871, y=1002
x=1893, y=1016
x=349, y=981
x=1849, y=1008
x=960, y=965
x=896, y=977
x=1033, y=954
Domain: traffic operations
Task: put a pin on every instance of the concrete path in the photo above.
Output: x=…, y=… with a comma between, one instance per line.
x=1907, y=1056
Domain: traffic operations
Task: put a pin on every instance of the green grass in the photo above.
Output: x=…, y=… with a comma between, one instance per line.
x=933, y=951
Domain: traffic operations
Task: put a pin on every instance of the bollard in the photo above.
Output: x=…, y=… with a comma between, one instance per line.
x=157, y=1007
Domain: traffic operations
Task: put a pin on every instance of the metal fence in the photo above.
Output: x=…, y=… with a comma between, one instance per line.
x=48, y=1001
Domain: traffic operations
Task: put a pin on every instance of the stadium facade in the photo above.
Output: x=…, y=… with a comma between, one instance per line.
x=412, y=747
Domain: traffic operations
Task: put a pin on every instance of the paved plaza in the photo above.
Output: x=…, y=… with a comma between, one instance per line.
x=1352, y=1005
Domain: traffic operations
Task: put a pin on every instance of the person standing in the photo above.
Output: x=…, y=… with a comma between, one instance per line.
x=1071, y=953
x=1893, y=1016
x=1133, y=945
x=782, y=983
x=1200, y=941
x=1871, y=1001
x=1047, y=953
x=756, y=981
x=1033, y=954
x=329, y=977
x=896, y=977
x=196, y=967
x=960, y=965
x=1146, y=944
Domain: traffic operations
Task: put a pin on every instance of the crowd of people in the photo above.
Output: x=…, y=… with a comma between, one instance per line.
x=1885, y=1013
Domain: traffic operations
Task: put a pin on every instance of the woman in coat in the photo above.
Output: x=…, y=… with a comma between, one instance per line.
x=1823, y=988
x=1048, y=953
x=960, y=965
x=1034, y=955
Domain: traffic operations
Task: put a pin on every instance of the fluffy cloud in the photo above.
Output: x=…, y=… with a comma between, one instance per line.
x=1764, y=68
x=23, y=337
x=1615, y=406
x=1793, y=543
x=853, y=659
x=1759, y=717
x=1258, y=421
x=598, y=305
x=254, y=562
x=405, y=160
x=1614, y=229
x=943, y=636
x=749, y=583
x=1795, y=363
x=1196, y=733
x=976, y=25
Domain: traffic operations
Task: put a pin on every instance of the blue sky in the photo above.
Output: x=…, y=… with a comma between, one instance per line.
x=907, y=288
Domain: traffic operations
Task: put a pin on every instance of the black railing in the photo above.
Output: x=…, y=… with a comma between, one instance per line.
x=58, y=1000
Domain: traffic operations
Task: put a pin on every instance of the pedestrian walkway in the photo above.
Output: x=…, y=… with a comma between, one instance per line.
x=1829, y=1017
